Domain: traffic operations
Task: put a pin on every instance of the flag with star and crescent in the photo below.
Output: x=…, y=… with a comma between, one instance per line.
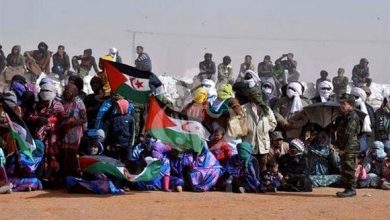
x=128, y=81
x=171, y=127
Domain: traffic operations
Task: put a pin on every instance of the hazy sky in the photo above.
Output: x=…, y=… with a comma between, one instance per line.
x=176, y=33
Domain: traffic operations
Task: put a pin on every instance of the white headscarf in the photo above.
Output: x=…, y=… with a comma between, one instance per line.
x=113, y=52
x=209, y=85
x=48, y=92
x=325, y=89
x=294, y=92
x=254, y=80
x=360, y=103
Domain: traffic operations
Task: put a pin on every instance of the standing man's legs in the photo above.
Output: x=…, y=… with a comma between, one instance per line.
x=348, y=165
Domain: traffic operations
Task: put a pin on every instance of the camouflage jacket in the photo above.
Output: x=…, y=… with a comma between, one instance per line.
x=348, y=129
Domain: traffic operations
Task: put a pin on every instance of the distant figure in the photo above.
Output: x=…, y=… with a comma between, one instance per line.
x=225, y=71
x=290, y=67
x=61, y=63
x=143, y=61
x=38, y=61
x=247, y=65
x=113, y=55
x=265, y=68
x=86, y=64
x=15, y=64
x=2, y=59
x=361, y=73
x=207, y=68
x=278, y=72
x=340, y=83
x=323, y=77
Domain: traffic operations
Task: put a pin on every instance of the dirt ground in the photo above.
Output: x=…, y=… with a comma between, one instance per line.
x=321, y=204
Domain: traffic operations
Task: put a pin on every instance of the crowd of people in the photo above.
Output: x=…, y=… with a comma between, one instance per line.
x=263, y=138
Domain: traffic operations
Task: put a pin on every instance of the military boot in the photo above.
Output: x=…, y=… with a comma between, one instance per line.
x=349, y=192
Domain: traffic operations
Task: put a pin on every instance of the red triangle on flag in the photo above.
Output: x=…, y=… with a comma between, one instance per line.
x=115, y=77
x=157, y=117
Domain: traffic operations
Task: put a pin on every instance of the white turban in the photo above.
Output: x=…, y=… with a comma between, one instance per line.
x=356, y=91
x=113, y=51
x=360, y=103
x=254, y=80
x=209, y=85
x=325, y=89
x=294, y=92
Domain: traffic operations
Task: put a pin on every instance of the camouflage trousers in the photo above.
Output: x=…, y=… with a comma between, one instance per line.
x=348, y=164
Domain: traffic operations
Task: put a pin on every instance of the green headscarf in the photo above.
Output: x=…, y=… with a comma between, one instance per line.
x=244, y=151
x=225, y=91
x=256, y=96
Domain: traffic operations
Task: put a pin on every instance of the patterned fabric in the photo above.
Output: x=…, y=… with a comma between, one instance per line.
x=179, y=166
x=102, y=185
x=220, y=150
x=325, y=180
x=271, y=180
x=157, y=183
x=47, y=120
x=143, y=62
x=74, y=110
x=319, y=159
x=348, y=129
x=247, y=177
x=205, y=172
x=25, y=184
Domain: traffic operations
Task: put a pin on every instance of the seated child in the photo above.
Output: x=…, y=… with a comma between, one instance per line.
x=386, y=174
x=219, y=147
x=271, y=177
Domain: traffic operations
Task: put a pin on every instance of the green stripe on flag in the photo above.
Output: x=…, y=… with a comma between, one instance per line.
x=151, y=171
x=23, y=147
x=101, y=167
x=132, y=94
x=179, y=140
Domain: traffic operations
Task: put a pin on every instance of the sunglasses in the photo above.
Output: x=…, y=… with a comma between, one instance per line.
x=328, y=89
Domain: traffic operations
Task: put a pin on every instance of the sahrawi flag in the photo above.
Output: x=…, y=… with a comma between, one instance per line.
x=175, y=128
x=150, y=172
x=130, y=82
x=19, y=132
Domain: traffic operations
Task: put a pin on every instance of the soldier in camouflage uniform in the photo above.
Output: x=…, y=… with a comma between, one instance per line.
x=348, y=129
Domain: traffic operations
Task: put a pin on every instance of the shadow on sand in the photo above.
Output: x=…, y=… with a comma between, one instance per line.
x=302, y=194
x=65, y=194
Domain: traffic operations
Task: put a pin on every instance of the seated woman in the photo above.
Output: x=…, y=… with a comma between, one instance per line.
x=320, y=162
x=180, y=166
x=94, y=183
x=373, y=164
x=21, y=169
x=294, y=168
x=242, y=170
x=205, y=171
x=386, y=174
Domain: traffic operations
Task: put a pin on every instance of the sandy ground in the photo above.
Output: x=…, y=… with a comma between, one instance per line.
x=321, y=204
